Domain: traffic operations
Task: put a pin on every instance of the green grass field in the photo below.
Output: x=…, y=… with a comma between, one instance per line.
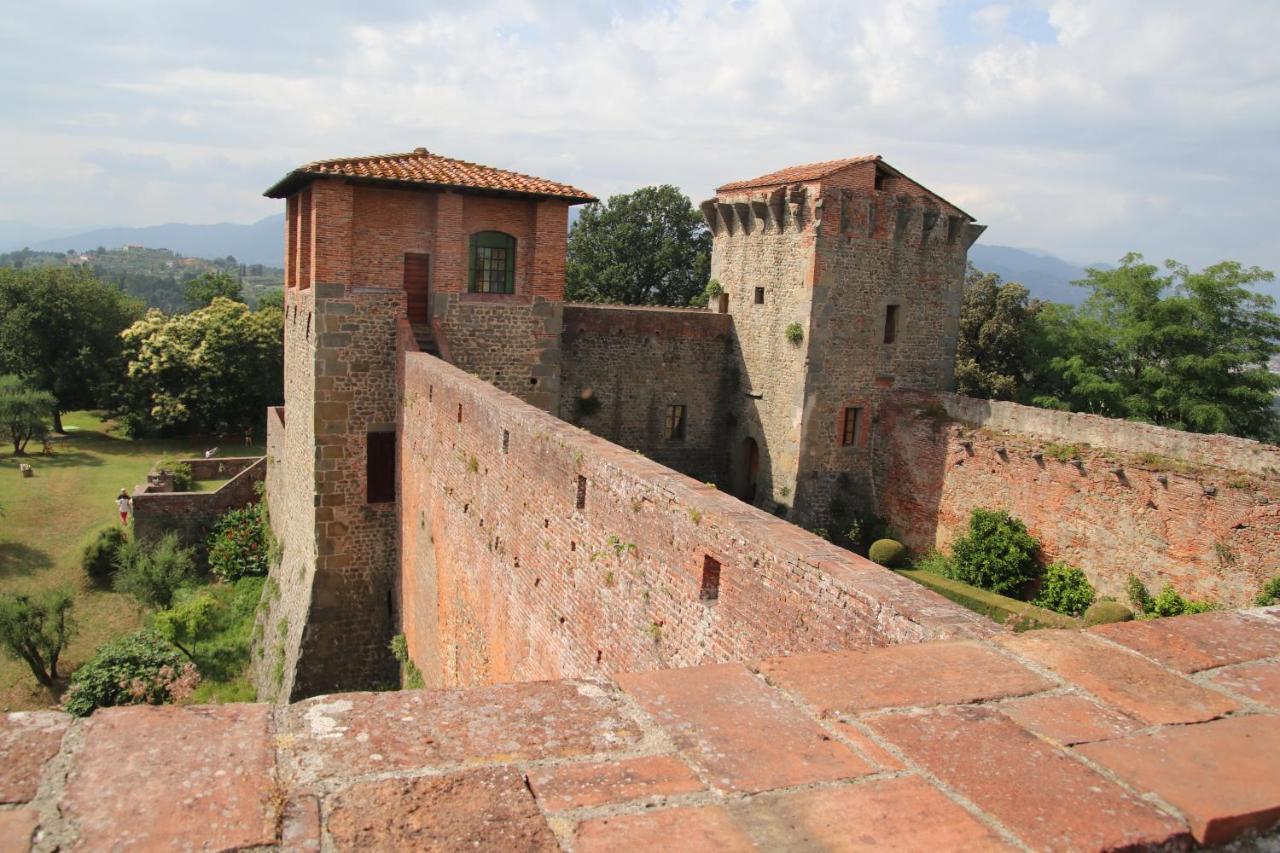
x=49, y=518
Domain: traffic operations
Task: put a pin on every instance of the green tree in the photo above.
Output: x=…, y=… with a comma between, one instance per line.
x=193, y=618
x=213, y=370
x=60, y=331
x=648, y=247
x=24, y=412
x=1183, y=349
x=37, y=630
x=204, y=288
x=154, y=572
x=273, y=298
x=991, y=353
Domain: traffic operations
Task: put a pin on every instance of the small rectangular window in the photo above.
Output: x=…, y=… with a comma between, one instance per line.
x=581, y=501
x=849, y=426
x=710, y=587
x=890, y=323
x=675, y=423
x=506, y=440
x=759, y=295
x=380, y=467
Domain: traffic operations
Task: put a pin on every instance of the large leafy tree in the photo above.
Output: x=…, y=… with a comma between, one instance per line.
x=1182, y=349
x=24, y=412
x=213, y=370
x=60, y=331
x=648, y=247
x=203, y=289
x=992, y=350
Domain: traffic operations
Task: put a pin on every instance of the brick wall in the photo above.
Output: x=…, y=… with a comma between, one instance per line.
x=505, y=577
x=1167, y=506
x=1144, y=735
x=636, y=362
x=192, y=514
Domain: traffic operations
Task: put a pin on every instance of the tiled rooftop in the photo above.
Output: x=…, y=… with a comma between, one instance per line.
x=420, y=166
x=1137, y=735
x=799, y=174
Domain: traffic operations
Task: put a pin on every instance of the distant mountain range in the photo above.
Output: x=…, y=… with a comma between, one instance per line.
x=1046, y=276
x=259, y=243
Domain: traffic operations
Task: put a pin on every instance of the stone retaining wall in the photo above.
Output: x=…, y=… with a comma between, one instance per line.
x=1138, y=735
x=193, y=514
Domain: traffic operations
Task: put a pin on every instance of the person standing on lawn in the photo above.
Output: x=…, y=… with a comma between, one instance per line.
x=123, y=504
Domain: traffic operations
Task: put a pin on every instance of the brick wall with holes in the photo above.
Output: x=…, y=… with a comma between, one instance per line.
x=531, y=549
x=1213, y=531
x=627, y=369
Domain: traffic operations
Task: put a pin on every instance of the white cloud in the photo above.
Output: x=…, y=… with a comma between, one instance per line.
x=1129, y=125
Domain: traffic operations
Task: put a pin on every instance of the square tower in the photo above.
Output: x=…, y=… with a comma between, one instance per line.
x=471, y=259
x=845, y=280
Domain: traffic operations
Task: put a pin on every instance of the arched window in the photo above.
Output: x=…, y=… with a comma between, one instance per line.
x=493, y=263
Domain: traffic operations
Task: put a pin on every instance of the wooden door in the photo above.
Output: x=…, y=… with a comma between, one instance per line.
x=417, y=287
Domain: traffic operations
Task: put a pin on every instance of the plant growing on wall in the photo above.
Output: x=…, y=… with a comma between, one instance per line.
x=794, y=334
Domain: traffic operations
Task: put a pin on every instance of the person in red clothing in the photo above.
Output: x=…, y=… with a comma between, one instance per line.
x=123, y=504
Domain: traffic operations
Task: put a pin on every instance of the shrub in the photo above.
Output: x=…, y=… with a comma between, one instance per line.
x=179, y=471
x=1270, y=593
x=997, y=554
x=1065, y=590
x=137, y=669
x=153, y=573
x=193, y=617
x=1170, y=603
x=1105, y=612
x=935, y=562
x=1138, y=595
x=410, y=674
x=99, y=560
x=36, y=630
x=794, y=334
x=238, y=545
x=887, y=552
x=714, y=288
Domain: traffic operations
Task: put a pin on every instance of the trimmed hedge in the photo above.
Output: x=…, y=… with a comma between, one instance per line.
x=1106, y=612
x=887, y=552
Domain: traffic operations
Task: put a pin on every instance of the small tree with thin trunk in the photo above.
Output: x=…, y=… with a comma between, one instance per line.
x=37, y=630
x=24, y=412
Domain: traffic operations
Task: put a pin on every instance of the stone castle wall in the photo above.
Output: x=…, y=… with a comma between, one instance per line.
x=875, y=251
x=192, y=514
x=1199, y=511
x=624, y=366
x=767, y=245
x=531, y=549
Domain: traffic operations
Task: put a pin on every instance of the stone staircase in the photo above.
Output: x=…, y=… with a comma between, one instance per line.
x=426, y=339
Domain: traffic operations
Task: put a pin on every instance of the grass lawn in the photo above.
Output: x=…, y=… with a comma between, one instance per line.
x=1019, y=614
x=49, y=518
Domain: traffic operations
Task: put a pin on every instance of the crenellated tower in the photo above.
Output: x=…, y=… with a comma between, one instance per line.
x=845, y=281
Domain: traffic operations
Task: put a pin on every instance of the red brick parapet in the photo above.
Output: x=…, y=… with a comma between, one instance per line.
x=1138, y=734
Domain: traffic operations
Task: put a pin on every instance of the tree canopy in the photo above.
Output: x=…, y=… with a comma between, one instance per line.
x=60, y=331
x=24, y=412
x=1183, y=349
x=213, y=370
x=648, y=247
x=992, y=350
x=204, y=288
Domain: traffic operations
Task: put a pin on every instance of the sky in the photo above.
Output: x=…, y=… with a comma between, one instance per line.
x=1085, y=128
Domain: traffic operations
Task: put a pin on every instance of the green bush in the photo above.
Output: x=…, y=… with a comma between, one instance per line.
x=887, y=552
x=794, y=334
x=153, y=573
x=997, y=554
x=1170, y=603
x=99, y=559
x=37, y=630
x=239, y=545
x=179, y=471
x=1065, y=589
x=1105, y=612
x=1270, y=593
x=935, y=562
x=1138, y=595
x=137, y=669
x=410, y=675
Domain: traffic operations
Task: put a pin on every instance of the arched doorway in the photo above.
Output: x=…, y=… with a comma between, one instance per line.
x=750, y=469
